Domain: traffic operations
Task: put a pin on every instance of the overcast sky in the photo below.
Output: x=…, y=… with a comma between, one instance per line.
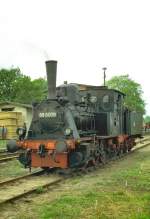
x=83, y=35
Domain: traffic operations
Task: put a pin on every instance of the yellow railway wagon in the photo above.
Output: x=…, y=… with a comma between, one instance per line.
x=10, y=115
x=10, y=121
x=5, y=122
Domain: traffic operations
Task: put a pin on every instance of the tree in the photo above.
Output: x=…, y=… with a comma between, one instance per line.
x=39, y=89
x=147, y=119
x=8, y=77
x=28, y=91
x=132, y=90
x=14, y=86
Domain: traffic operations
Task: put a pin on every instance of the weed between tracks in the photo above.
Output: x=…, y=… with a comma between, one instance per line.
x=40, y=189
x=119, y=191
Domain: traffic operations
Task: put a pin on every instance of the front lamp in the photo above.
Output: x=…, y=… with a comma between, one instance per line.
x=68, y=131
x=20, y=131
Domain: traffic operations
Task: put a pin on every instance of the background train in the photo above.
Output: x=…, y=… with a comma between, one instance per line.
x=77, y=126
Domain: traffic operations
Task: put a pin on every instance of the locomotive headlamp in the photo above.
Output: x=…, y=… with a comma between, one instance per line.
x=68, y=131
x=20, y=131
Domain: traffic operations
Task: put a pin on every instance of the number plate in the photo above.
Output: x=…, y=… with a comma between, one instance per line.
x=47, y=115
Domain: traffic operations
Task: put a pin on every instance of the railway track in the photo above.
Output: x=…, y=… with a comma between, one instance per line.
x=5, y=156
x=7, y=182
x=146, y=138
x=20, y=187
x=140, y=146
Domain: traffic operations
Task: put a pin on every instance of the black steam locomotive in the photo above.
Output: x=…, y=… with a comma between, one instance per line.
x=77, y=125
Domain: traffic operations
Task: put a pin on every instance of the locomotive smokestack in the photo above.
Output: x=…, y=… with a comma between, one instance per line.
x=51, y=69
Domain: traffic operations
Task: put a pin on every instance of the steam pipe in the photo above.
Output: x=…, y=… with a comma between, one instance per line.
x=51, y=69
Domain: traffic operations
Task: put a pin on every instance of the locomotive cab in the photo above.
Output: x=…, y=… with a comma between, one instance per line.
x=110, y=115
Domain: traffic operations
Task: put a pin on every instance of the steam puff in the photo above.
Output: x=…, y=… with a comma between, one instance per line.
x=36, y=48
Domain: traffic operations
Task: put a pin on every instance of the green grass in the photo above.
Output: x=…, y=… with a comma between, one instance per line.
x=125, y=194
x=97, y=204
x=3, y=143
x=11, y=169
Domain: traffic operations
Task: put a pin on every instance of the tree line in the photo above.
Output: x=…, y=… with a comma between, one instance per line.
x=133, y=91
x=17, y=87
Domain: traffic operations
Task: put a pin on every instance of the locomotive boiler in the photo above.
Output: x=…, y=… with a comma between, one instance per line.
x=76, y=126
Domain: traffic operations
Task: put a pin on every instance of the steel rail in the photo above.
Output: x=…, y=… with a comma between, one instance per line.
x=21, y=177
x=141, y=146
x=30, y=191
x=27, y=191
x=7, y=154
x=2, y=150
x=4, y=159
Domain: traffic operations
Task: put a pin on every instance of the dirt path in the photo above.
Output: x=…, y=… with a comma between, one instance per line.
x=118, y=176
